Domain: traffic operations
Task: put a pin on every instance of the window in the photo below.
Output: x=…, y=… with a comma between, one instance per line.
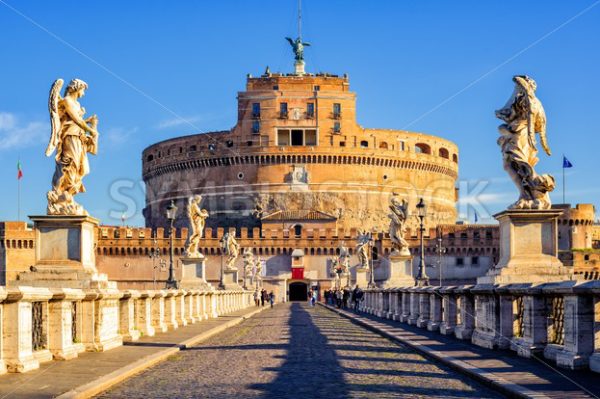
x=383, y=145
x=229, y=143
x=297, y=137
x=422, y=148
x=276, y=87
x=337, y=110
x=193, y=148
x=298, y=230
x=283, y=137
x=283, y=110
x=310, y=110
x=460, y=262
x=475, y=261
x=212, y=147
x=476, y=235
x=310, y=137
x=342, y=143
x=249, y=143
x=455, y=158
x=256, y=127
x=488, y=235
x=364, y=144
x=451, y=236
x=402, y=146
x=317, y=88
x=337, y=127
x=463, y=236
x=150, y=158
x=444, y=153
x=256, y=110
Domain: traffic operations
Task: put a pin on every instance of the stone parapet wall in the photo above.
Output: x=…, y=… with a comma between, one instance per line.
x=554, y=320
x=41, y=324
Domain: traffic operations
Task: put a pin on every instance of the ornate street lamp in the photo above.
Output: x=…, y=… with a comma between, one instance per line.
x=171, y=214
x=422, y=279
x=440, y=251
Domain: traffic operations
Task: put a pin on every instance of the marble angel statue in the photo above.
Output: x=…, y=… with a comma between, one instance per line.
x=398, y=216
x=72, y=137
x=231, y=248
x=344, y=258
x=524, y=117
x=362, y=248
x=197, y=218
x=249, y=263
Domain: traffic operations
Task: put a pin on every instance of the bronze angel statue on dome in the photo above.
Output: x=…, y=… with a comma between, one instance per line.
x=524, y=117
x=73, y=137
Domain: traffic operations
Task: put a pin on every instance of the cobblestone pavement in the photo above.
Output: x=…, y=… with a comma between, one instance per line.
x=295, y=351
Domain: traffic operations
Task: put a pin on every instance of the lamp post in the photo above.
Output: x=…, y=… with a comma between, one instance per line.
x=440, y=251
x=372, y=274
x=422, y=279
x=171, y=214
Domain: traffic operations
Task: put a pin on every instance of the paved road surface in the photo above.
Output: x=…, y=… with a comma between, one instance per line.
x=295, y=351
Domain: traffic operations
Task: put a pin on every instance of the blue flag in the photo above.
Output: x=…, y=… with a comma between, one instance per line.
x=566, y=163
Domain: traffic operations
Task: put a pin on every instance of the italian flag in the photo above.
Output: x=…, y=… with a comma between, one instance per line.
x=19, y=171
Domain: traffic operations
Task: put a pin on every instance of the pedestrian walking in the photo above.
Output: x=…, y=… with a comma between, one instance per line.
x=256, y=298
x=271, y=298
x=263, y=297
x=313, y=298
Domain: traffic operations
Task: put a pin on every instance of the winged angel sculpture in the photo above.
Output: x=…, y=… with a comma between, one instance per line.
x=297, y=47
x=524, y=116
x=197, y=218
x=398, y=216
x=73, y=138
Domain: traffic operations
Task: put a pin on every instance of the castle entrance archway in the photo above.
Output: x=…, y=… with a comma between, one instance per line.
x=298, y=291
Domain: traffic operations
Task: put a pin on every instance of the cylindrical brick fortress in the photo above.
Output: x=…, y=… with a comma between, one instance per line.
x=297, y=146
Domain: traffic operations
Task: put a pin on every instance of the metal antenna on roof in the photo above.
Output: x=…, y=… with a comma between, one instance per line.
x=300, y=19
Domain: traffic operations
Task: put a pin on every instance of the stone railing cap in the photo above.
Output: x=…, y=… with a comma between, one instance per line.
x=29, y=294
x=73, y=294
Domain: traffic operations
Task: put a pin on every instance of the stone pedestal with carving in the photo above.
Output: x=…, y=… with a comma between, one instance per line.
x=193, y=274
x=400, y=271
x=528, y=249
x=230, y=280
x=361, y=277
x=64, y=254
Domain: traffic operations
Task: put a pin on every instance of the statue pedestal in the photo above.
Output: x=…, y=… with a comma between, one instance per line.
x=299, y=68
x=64, y=254
x=230, y=280
x=400, y=271
x=193, y=273
x=361, y=277
x=528, y=248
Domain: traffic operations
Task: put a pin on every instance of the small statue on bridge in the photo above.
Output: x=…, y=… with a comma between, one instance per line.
x=231, y=248
x=524, y=116
x=197, y=218
x=398, y=216
x=362, y=248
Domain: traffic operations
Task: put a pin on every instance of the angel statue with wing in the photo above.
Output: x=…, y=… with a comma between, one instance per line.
x=398, y=216
x=362, y=248
x=73, y=137
x=524, y=117
x=297, y=47
x=197, y=218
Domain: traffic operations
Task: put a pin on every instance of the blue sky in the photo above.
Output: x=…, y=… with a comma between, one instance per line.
x=438, y=67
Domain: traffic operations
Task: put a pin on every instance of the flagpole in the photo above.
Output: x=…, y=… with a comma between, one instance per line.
x=563, y=170
x=18, y=190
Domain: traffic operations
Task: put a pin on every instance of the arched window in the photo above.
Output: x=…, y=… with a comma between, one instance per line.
x=455, y=158
x=193, y=148
x=444, y=153
x=364, y=144
x=298, y=230
x=422, y=148
x=150, y=158
x=383, y=145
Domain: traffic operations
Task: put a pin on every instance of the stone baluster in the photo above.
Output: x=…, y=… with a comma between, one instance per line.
x=448, y=323
x=578, y=325
x=19, y=352
x=405, y=311
x=144, y=313
x=532, y=337
x=383, y=303
x=3, y=294
x=192, y=310
x=393, y=303
x=64, y=314
x=424, y=308
x=127, y=322
x=171, y=310
x=464, y=329
x=106, y=321
x=414, y=306
x=212, y=304
x=158, y=311
x=487, y=332
x=594, y=288
x=181, y=308
x=435, y=309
